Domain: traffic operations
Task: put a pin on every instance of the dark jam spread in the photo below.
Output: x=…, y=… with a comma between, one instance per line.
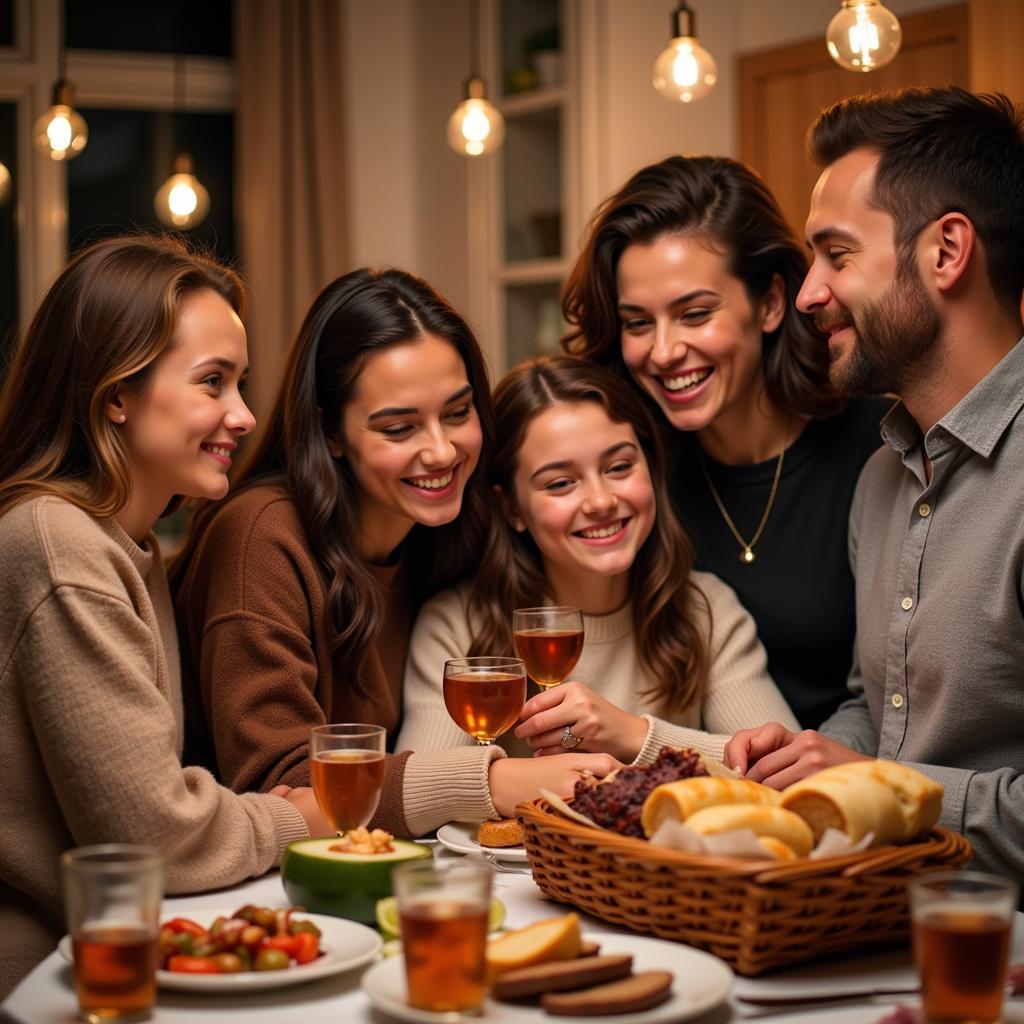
x=617, y=804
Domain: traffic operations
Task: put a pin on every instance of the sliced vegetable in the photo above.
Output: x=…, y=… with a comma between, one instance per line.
x=193, y=965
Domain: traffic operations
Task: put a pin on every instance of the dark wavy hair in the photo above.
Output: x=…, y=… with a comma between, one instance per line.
x=724, y=202
x=671, y=644
x=355, y=316
x=940, y=150
x=104, y=322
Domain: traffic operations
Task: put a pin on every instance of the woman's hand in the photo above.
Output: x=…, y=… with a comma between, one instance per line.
x=602, y=726
x=777, y=757
x=303, y=799
x=515, y=779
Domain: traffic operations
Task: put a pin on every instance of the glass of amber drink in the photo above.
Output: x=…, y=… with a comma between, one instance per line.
x=443, y=912
x=549, y=640
x=962, y=924
x=484, y=695
x=112, y=899
x=347, y=769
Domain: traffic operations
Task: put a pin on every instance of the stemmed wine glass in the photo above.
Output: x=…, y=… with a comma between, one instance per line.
x=549, y=640
x=347, y=768
x=484, y=695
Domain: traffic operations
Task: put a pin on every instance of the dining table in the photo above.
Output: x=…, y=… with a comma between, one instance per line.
x=47, y=996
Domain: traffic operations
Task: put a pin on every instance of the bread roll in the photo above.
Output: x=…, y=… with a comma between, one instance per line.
x=854, y=805
x=919, y=797
x=503, y=832
x=761, y=820
x=676, y=801
x=777, y=848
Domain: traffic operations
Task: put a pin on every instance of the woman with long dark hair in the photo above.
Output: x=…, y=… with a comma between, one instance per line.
x=364, y=495
x=122, y=397
x=686, y=285
x=669, y=658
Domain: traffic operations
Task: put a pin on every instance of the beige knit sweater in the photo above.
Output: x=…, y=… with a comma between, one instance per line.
x=740, y=694
x=91, y=727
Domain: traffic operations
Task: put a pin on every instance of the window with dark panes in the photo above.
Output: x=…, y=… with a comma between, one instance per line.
x=6, y=22
x=112, y=184
x=200, y=27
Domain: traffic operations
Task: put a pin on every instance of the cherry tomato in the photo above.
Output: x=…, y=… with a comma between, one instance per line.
x=193, y=965
x=307, y=948
x=286, y=943
x=183, y=924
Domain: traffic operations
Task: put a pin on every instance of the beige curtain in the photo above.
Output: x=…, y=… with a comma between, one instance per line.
x=290, y=170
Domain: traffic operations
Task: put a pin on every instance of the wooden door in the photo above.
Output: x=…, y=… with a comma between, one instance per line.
x=782, y=90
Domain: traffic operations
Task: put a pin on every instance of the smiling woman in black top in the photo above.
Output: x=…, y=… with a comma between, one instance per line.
x=686, y=283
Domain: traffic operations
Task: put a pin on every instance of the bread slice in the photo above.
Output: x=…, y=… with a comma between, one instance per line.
x=628, y=995
x=561, y=975
x=676, y=801
x=556, y=938
x=762, y=821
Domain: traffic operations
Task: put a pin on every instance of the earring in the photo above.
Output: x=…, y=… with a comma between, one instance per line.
x=121, y=418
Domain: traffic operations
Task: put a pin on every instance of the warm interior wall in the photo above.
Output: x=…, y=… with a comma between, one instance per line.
x=405, y=63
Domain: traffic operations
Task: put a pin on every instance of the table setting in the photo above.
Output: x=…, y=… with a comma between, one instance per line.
x=665, y=892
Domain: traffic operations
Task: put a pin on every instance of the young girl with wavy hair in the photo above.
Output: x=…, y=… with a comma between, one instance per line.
x=669, y=657
x=122, y=397
x=296, y=596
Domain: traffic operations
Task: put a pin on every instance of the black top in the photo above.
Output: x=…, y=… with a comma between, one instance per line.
x=799, y=589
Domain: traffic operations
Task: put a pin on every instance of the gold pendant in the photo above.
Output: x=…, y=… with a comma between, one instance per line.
x=747, y=556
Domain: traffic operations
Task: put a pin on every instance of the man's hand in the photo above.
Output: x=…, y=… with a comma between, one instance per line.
x=777, y=757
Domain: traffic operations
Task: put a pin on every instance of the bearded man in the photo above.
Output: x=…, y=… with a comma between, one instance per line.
x=916, y=228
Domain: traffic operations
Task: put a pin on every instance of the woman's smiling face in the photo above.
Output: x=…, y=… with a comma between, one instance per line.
x=690, y=335
x=411, y=437
x=583, y=491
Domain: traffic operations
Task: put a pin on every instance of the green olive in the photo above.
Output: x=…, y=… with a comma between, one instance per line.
x=272, y=960
x=228, y=963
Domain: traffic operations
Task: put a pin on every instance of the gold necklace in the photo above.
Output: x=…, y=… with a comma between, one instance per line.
x=747, y=554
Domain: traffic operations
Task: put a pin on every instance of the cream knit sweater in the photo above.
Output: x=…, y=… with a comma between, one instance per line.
x=739, y=695
x=91, y=727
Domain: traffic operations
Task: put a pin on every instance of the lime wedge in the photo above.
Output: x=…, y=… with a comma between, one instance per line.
x=391, y=928
x=391, y=948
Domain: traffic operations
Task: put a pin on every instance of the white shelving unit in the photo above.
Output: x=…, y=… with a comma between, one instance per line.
x=527, y=201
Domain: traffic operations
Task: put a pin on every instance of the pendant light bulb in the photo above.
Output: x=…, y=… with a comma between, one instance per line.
x=684, y=71
x=181, y=201
x=863, y=35
x=476, y=127
x=61, y=133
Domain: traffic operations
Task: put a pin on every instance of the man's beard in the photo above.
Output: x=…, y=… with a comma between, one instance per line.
x=894, y=335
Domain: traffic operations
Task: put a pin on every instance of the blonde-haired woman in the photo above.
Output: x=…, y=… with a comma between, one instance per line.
x=122, y=397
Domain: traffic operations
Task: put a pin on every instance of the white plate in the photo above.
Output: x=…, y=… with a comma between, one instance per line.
x=345, y=945
x=460, y=836
x=702, y=981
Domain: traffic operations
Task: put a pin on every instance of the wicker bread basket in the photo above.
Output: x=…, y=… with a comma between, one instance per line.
x=754, y=914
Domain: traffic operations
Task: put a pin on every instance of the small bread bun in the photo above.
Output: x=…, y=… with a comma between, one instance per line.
x=919, y=797
x=504, y=832
x=777, y=848
x=676, y=801
x=761, y=820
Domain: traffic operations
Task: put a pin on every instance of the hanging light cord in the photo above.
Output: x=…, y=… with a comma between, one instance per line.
x=474, y=38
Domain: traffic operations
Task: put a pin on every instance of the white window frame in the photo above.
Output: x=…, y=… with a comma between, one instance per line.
x=123, y=81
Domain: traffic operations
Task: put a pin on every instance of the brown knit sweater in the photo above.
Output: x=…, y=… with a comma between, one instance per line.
x=257, y=670
x=91, y=727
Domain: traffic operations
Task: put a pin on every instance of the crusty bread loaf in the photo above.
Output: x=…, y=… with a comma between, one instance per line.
x=761, y=820
x=503, y=832
x=892, y=801
x=919, y=797
x=676, y=801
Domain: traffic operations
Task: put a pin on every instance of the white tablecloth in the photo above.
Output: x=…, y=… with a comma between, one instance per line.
x=47, y=996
